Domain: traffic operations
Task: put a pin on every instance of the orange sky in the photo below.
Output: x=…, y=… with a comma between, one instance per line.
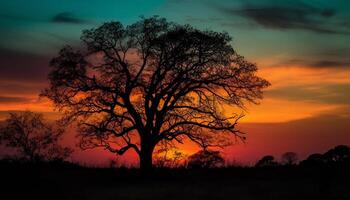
x=275, y=126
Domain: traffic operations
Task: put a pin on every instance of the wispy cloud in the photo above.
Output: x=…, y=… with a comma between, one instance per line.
x=62, y=17
x=67, y=17
x=18, y=65
x=320, y=63
x=10, y=99
x=288, y=15
x=335, y=94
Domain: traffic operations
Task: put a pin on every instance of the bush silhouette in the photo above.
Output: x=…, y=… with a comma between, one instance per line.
x=266, y=161
x=205, y=159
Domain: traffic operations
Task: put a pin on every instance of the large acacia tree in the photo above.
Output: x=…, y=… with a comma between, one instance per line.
x=135, y=86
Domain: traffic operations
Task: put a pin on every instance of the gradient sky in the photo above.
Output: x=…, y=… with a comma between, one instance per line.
x=301, y=47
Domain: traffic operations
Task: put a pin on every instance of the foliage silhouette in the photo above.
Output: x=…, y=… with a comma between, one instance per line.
x=132, y=87
x=205, y=159
x=315, y=159
x=33, y=138
x=338, y=154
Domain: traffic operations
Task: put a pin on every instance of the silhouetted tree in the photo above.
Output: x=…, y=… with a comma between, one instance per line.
x=289, y=158
x=205, y=159
x=33, y=138
x=132, y=87
x=339, y=154
x=266, y=161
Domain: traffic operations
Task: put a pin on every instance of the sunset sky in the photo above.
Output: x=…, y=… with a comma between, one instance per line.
x=301, y=47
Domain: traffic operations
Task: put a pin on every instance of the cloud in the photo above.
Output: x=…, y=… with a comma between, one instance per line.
x=20, y=87
x=178, y=1
x=287, y=15
x=191, y=19
x=339, y=53
x=334, y=63
x=67, y=17
x=63, y=17
x=330, y=63
x=7, y=99
x=335, y=94
x=16, y=65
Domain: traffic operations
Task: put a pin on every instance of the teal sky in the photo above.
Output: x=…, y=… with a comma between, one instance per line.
x=42, y=26
x=314, y=26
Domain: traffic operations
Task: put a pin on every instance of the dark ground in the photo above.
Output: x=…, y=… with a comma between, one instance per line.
x=280, y=183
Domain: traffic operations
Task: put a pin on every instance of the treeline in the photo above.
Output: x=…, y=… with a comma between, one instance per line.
x=339, y=155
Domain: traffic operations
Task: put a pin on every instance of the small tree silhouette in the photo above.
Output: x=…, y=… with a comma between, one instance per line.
x=289, y=158
x=266, y=161
x=33, y=138
x=205, y=159
x=132, y=87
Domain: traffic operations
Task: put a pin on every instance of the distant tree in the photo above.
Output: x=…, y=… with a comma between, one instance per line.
x=33, y=138
x=289, y=158
x=206, y=159
x=339, y=154
x=132, y=87
x=168, y=155
x=266, y=161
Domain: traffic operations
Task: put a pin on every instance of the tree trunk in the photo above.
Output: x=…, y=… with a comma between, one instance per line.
x=146, y=156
